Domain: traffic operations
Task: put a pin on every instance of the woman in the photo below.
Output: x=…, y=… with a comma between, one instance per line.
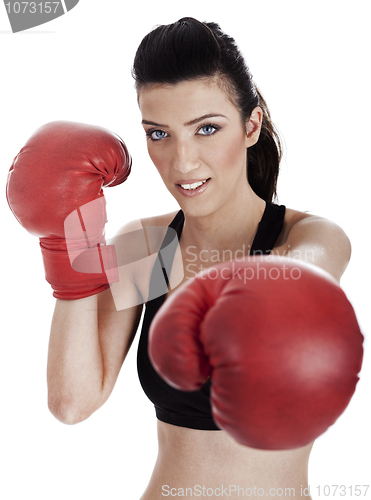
x=201, y=113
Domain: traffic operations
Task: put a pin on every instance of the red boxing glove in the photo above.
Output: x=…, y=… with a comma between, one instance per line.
x=279, y=339
x=55, y=191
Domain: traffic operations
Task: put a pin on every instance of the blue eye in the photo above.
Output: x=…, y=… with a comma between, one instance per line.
x=208, y=129
x=205, y=130
x=156, y=135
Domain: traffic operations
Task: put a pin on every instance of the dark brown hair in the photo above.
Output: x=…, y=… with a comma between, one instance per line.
x=189, y=50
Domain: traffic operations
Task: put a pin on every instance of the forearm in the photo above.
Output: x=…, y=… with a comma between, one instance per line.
x=75, y=363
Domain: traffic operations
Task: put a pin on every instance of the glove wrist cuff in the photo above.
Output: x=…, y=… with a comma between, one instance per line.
x=78, y=273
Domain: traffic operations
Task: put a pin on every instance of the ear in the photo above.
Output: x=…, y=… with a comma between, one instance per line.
x=253, y=126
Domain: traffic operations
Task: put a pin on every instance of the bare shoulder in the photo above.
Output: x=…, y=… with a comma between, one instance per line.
x=151, y=230
x=136, y=246
x=314, y=239
x=139, y=238
x=300, y=224
x=292, y=217
x=156, y=220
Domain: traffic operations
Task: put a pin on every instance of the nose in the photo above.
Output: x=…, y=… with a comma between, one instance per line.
x=185, y=157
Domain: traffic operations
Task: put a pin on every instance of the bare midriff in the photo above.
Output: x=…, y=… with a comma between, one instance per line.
x=212, y=465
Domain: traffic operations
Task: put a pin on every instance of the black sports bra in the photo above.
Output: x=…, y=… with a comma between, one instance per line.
x=189, y=409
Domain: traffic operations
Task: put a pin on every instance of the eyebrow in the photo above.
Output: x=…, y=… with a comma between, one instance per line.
x=188, y=124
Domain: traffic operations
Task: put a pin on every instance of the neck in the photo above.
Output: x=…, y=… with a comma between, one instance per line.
x=227, y=229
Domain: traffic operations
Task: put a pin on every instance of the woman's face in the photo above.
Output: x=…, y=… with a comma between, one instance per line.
x=197, y=142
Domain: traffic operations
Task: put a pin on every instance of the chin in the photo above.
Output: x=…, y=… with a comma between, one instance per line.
x=198, y=209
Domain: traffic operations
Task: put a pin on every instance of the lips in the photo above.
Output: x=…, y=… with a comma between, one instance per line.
x=192, y=187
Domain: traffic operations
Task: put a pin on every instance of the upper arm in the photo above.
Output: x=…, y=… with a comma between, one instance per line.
x=318, y=241
x=117, y=329
x=119, y=310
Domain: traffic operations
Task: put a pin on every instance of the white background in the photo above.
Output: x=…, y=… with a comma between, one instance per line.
x=311, y=61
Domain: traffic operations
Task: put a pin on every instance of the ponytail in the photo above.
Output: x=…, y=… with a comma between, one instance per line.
x=264, y=157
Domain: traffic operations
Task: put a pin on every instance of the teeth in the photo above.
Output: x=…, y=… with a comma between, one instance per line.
x=194, y=185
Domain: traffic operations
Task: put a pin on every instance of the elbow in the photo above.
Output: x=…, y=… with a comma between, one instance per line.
x=66, y=412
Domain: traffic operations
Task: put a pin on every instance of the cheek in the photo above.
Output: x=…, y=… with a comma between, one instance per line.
x=231, y=152
x=158, y=158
